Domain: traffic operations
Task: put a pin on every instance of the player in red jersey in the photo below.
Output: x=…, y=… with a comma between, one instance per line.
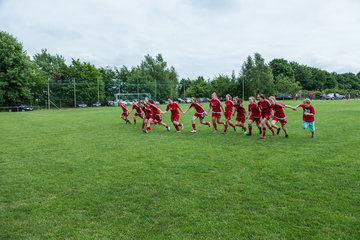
x=156, y=115
x=279, y=115
x=173, y=107
x=265, y=107
x=200, y=113
x=255, y=115
x=241, y=113
x=308, y=116
x=147, y=111
x=125, y=113
x=138, y=111
x=229, y=111
x=216, y=107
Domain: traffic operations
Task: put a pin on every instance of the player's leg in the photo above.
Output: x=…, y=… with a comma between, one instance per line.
x=193, y=123
x=214, y=123
x=312, y=129
x=273, y=124
x=219, y=119
x=250, y=122
x=263, y=124
x=285, y=130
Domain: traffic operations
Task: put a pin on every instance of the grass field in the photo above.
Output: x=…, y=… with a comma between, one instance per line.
x=85, y=174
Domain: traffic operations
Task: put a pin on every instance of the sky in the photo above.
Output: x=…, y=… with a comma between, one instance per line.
x=197, y=37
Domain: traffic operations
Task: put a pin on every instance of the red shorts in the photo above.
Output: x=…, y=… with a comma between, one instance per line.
x=240, y=118
x=138, y=114
x=125, y=114
x=255, y=119
x=147, y=116
x=216, y=114
x=281, y=120
x=200, y=115
x=157, y=117
x=228, y=115
x=266, y=116
x=175, y=117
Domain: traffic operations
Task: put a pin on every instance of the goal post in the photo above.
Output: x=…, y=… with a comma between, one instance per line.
x=130, y=97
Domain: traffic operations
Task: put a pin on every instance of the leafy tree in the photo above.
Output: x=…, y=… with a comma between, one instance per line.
x=223, y=85
x=285, y=84
x=281, y=66
x=257, y=76
x=303, y=75
x=183, y=85
x=199, y=88
x=18, y=75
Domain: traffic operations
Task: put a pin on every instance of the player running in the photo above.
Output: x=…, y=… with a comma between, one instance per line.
x=125, y=113
x=200, y=113
x=255, y=115
x=173, y=107
x=279, y=115
x=265, y=107
x=241, y=113
x=216, y=107
x=308, y=116
x=229, y=111
x=156, y=116
x=138, y=111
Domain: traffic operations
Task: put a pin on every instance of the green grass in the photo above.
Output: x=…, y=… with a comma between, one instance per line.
x=85, y=174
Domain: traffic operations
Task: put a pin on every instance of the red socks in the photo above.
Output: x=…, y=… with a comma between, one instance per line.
x=194, y=126
x=231, y=124
x=215, y=126
x=221, y=122
x=148, y=128
x=176, y=127
x=134, y=121
x=143, y=125
x=273, y=132
x=250, y=129
x=226, y=127
x=264, y=130
x=244, y=129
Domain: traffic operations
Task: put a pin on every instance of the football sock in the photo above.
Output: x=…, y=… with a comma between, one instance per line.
x=231, y=124
x=226, y=127
x=176, y=127
x=215, y=126
x=250, y=129
x=264, y=130
x=194, y=126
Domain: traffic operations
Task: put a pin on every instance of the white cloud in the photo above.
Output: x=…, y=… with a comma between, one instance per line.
x=201, y=37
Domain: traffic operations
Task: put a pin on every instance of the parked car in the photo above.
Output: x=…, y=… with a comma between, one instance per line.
x=222, y=99
x=334, y=96
x=201, y=100
x=207, y=99
x=179, y=100
x=157, y=102
x=82, y=105
x=110, y=103
x=97, y=104
x=187, y=100
x=162, y=101
x=285, y=96
x=20, y=108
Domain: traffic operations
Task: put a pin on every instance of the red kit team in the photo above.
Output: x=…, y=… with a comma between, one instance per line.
x=264, y=112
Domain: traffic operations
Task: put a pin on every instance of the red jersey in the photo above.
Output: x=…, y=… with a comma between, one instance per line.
x=137, y=108
x=155, y=109
x=229, y=106
x=240, y=110
x=173, y=108
x=278, y=110
x=215, y=105
x=254, y=109
x=147, y=111
x=123, y=106
x=265, y=106
x=309, y=109
x=198, y=107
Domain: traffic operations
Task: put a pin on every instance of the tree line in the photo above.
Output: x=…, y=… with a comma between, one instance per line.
x=25, y=80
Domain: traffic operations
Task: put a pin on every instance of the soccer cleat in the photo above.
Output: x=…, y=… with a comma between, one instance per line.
x=286, y=136
x=168, y=128
x=193, y=131
x=278, y=131
x=248, y=134
x=145, y=131
x=234, y=129
x=182, y=126
x=312, y=137
x=215, y=131
x=178, y=131
x=224, y=132
x=262, y=137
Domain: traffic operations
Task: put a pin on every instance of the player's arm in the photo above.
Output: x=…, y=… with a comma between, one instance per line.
x=180, y=109
x=187, y=109
x=221, y=106
x=209, y=108
x=297, y=106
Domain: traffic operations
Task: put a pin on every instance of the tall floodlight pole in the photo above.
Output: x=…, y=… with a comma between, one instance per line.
x=98, y=88
x=74, y=94
x=48, y=91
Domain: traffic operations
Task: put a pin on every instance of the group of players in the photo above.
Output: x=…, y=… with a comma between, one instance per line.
x=261, y=112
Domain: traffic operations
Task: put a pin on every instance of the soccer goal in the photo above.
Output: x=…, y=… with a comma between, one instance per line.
x=130, y=96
